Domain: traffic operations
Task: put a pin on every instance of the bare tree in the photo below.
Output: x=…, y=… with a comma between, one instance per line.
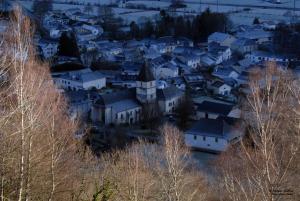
x=266, y=164
x=38, y=151
x=178, y=181
x=151, y=172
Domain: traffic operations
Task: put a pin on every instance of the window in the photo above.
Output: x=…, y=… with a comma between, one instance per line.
x=116, y=116
x=121, y=116
x=204, y=138
x=195, y=137
x=216, y=139
x=170, y=104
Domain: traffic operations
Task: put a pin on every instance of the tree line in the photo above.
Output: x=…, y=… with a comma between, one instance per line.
x=197, y=28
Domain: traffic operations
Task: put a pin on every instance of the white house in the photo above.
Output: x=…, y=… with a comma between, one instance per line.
x=162, y=47
x=166, y=71
x=190, y=60
x=220, y=88
x=49, y=48
x=244, y=46
x=219, y=53
x=169, y=99
x=81, y=81
x=225, y=72
x=213, y=135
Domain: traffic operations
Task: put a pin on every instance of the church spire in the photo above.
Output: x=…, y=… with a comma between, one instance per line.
x=145, y=74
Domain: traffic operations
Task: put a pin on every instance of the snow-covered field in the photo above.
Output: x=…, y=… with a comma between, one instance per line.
x=237, y=14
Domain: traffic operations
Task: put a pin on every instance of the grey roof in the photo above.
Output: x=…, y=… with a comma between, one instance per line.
x=145, y=74
x=125, y=105
x=111, y=98
x=208, y=127
x=254, y=34
x=169, y=93
x=216, y=108
x=223, y=71
x=243, y=42
x=218, y=37
x=218, y=84
x=87, y=77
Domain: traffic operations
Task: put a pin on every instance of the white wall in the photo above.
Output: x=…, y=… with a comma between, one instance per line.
x=209, y=143
x=201, y=115
x=99, y=84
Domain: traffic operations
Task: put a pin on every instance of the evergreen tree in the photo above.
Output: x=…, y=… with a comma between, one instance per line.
x=41, y=7
x=148, y=29
x=68, y=45
x=134, y=30
x=256, y=21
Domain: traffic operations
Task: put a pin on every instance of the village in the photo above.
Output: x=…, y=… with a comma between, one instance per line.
x=126, y=89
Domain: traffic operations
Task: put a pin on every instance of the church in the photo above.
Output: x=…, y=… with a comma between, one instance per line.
x=126, y=107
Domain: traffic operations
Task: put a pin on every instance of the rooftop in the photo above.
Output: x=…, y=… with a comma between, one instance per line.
x=215, y=108
x=208, y=127
x=169, y=93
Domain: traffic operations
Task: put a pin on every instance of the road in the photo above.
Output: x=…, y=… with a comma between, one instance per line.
x=277, y=7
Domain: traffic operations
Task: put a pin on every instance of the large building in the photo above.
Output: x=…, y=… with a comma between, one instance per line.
x=126, y=107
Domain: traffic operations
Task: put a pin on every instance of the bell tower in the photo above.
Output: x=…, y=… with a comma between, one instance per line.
x=146, y=85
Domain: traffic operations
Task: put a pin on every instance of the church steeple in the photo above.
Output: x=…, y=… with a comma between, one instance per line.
x=145, y=74
x=146, y=85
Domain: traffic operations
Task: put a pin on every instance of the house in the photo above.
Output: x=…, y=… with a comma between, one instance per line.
x=151, y=53
x=130, y=69
x=167, y=71
x=54, y=19
x=87, y=32
x=220, y=88
x=243, y=46
x=208, y=60
x=258, y=35
x=269, y=25
x=49, y=48
x=225, y=72
x=80, y=81
x=219, y=53
x=179, y=82
x=81, y=17
x=165, y=44
x=213, y=135
x=222, y=39
x=56, y=31
x=109, y=50
x=213, y=110
x=158, y=62
x=190, y=60
x=79, y=103
x=169, y=98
